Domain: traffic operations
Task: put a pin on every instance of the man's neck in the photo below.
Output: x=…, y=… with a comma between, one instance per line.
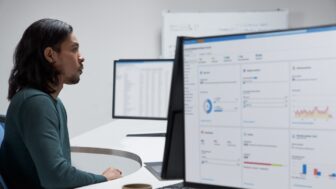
x=57, y=91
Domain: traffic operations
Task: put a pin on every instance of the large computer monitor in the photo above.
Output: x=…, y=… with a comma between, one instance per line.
x=260, y=110
x=141, y=88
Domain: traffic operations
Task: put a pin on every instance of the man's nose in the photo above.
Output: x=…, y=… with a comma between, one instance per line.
x=81, y=59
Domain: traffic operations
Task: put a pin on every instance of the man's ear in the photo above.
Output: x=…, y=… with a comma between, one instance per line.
x=49, y=54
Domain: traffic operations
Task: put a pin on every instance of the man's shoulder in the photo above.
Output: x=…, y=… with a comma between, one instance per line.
x=31, y=102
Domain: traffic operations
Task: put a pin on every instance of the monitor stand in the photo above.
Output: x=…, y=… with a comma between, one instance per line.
x=155, y=168
x=147, y=135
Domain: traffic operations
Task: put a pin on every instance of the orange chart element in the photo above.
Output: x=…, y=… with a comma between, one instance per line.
x=315, y=113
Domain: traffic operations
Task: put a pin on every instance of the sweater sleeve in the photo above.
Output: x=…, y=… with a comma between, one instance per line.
x=40, y=133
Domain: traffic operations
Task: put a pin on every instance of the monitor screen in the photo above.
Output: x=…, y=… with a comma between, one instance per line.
x=141, y=88
x=260, y=109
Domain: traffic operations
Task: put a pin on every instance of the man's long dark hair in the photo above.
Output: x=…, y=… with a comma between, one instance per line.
x=31, y=69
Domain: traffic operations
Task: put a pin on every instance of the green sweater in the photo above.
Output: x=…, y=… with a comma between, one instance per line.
x=35, y=152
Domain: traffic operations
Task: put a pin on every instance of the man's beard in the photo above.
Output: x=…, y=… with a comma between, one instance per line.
x=74, y=80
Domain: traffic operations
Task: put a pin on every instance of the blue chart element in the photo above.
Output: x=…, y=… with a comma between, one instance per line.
x=304, y=169
x=207, y=106
x=333, y=175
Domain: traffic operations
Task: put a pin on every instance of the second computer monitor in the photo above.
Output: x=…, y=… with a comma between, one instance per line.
x=141, y=88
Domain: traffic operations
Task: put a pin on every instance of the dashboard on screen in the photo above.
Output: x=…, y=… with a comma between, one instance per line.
x=260, y=109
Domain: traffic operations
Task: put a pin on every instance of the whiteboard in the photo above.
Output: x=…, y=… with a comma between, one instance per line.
x=194, y=24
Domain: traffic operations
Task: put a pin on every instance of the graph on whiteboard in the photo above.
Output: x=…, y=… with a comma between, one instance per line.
x=194, y=24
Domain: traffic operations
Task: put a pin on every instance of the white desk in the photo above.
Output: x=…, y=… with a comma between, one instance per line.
x=113, y=136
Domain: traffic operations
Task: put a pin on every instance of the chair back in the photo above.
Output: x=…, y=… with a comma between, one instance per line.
x=2, y=127
x=2, y=133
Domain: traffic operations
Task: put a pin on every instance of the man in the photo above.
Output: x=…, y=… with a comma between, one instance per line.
x=35, y=152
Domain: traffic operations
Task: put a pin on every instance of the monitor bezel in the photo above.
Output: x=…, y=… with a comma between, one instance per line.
x=114, y=82
x=210, y=186
x=260, y=32
x=173, y=156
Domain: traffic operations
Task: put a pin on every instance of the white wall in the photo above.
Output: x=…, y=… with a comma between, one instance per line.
x=113, y=29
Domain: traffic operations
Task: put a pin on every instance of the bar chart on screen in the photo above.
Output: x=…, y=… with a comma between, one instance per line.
x=310, y=163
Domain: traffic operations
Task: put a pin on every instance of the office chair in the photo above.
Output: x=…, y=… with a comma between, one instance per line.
x=2, y=132
x=2, y=127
